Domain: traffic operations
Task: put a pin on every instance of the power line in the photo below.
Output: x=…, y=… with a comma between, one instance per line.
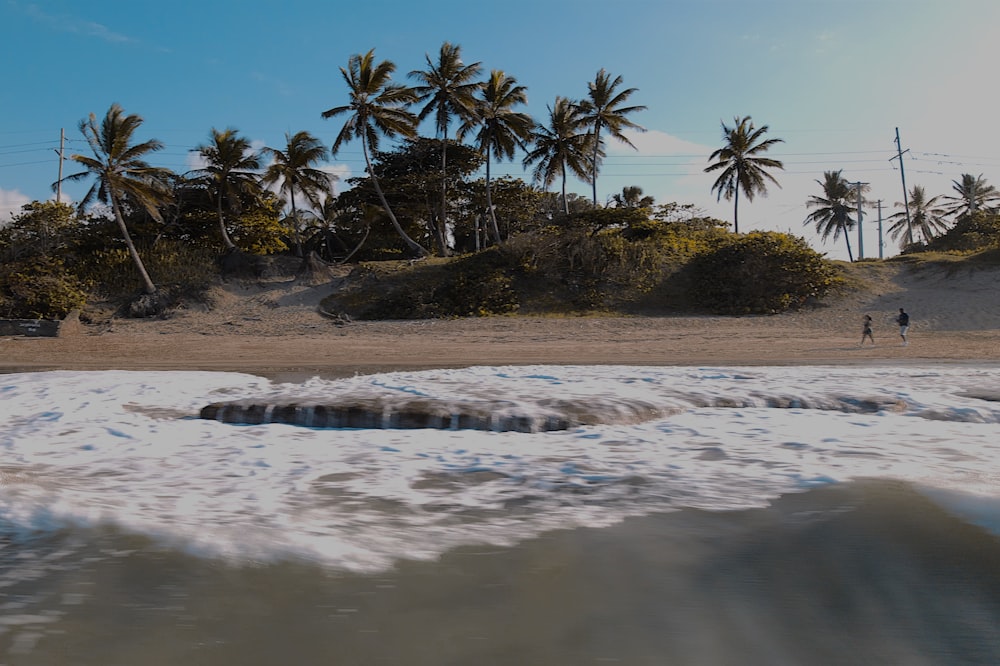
x=25, y=163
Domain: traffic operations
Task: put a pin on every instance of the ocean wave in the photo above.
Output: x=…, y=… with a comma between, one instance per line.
x=125, y=451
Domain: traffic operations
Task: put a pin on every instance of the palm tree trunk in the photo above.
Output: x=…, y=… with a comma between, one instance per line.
x=148, y=285
x=489, y=205
x=413, y=246
x=368, y=228
x=565, y=200
x=847, y=239
x=295, y=225
x=226, y=240
x=597, y=144
x=736, y=210
x=439, y=231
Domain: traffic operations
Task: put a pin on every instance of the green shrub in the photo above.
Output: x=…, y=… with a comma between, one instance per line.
x=610, y=268
x=759, y=273
x=476, y=285
x=39, y=288
x=971, y=233
x=183, y=271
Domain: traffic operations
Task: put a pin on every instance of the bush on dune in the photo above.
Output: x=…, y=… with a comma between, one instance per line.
x=760, y=273
x=39, y=288
x=570, y=268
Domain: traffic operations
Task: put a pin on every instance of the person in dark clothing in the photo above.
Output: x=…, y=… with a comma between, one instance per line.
x=866, y=330
x=904, y=324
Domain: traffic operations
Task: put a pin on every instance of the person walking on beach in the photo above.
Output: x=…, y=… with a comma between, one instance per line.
x=866, y=331
x=904, y=324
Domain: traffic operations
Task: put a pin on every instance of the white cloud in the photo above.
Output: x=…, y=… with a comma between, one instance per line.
x=75, y=25
x=339, y=174
x=10, y=204
x=342, y=173
x=655, y=143
x=195, y=161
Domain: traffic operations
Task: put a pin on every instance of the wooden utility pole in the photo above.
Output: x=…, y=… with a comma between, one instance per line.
x=62, y=143
x=880, y=243
x=902, y=175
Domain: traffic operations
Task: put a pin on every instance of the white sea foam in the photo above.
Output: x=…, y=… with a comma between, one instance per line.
x=88, y=449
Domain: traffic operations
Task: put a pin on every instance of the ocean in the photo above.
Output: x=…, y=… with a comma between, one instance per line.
x=711, y=515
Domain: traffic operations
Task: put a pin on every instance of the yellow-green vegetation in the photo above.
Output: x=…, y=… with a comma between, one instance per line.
x=35, y=280
x=627, y=260
x=970, y=234
x=181, y=271
x=568, y=269
x=39, y=288
x=471, y=285
x=952, y=263
x=52, y=261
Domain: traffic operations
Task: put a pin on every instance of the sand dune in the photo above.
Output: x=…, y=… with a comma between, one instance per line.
x=275, y=328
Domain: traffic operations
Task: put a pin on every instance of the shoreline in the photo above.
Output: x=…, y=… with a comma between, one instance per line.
x=274, y=328
x=374, y=347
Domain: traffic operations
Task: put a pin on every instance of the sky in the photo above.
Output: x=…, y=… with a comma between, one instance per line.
x=833, y=79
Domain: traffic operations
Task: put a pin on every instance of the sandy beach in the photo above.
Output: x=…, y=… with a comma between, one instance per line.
x=275, y=328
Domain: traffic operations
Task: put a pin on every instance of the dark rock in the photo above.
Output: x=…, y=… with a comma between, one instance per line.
x=429, y=415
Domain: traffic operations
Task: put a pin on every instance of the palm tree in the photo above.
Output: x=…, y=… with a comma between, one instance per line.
x=229, y=172
x=603, y=109
x=501, y=129
x=376, y=107
x=834, y=208
x=448, y=87
x=121, y=172
x=294, y=169
x=631, y=197
x=925, y=215
x=742, y=167
x=564, y=145
x=973, y=194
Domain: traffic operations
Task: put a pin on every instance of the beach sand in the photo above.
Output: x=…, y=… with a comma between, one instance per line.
x=274, y=328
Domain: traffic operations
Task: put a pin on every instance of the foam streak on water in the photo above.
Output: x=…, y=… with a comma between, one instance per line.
x=95, y=449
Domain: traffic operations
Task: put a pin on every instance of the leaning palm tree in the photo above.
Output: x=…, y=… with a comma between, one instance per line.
x=295, y=169
x=741, y=164
x=229, y=173
x=448, y=87
x=120, y=171
x=833, y=208
x=925, y=215
x=973, y=193
x=376, y=107
x=500, y=128
x=563, y=146
x=603, y=109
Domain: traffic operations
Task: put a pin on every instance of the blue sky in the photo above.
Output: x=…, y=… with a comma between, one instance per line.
x=832, y=78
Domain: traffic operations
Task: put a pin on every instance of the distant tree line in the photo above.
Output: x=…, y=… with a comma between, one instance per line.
x=419, y=196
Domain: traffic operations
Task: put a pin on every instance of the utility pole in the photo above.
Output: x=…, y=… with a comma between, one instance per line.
x=861, y=238
x=902, y=175
x=62, y=142
x=880, y=243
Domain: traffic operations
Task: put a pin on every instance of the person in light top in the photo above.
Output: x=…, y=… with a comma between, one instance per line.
x=866, y=330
